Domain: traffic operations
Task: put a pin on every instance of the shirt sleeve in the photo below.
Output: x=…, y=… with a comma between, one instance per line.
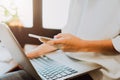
x=116, y=43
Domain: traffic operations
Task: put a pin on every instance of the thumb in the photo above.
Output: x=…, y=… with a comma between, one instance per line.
x=56, y=41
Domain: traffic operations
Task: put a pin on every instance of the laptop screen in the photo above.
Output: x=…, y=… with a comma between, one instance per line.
x=5, y=55
x=11, y=46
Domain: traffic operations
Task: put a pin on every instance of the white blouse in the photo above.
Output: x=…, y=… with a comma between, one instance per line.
x=96, y=20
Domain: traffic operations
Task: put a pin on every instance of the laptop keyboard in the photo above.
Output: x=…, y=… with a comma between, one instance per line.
x=50, y=69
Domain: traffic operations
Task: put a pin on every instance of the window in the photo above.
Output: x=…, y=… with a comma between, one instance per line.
x=29, y=13
x=55, y=13
x=11, y=10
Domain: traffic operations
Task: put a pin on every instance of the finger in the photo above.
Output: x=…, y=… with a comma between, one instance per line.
x=44, y=40
x=33, y=55
x=56, y=42
x=58, y=36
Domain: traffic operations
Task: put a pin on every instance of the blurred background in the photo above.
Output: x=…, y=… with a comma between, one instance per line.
x=41, y=17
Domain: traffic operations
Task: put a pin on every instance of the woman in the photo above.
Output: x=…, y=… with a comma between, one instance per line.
x=93, y=27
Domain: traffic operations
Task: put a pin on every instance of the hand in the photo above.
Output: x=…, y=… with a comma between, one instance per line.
x=41, y=50
x=67, y=42
x=70, y=43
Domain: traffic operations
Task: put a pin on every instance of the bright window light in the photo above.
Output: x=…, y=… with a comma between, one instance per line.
x=25, y=12
x=22, y=9
x=55, y=13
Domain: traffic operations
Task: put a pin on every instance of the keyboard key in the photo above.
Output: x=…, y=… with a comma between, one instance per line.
x=51, y=69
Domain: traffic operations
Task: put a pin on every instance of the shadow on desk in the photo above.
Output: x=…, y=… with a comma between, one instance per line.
x=83, y=77
x=22, y=75
x=16, y=75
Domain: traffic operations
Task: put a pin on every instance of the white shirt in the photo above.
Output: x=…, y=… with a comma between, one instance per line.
x=97, y=20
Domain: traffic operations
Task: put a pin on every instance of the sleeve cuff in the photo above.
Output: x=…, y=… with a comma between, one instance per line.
x=116, y=43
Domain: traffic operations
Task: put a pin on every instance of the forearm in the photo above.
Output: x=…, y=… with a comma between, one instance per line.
x=98, y=46
x=71, y=43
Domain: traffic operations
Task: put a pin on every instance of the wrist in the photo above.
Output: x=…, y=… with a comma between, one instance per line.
x=91, y=46
x=97, y=46
x=84, y=46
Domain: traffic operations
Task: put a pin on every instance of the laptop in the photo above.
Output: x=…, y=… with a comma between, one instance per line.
x=54, y=66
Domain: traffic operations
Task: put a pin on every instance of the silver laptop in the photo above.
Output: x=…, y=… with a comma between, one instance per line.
x=55, y=66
